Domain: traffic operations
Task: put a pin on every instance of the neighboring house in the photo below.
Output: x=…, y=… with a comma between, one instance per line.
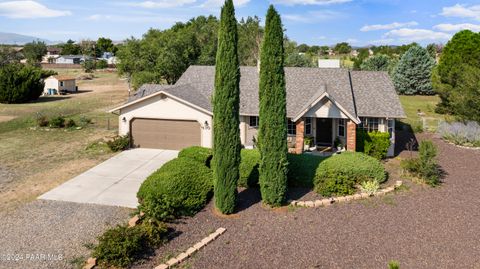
x=109, y=57
x=329, y=63
x=59, y=84
x=321, y=103
x=72, y=59
x=52, y=55
x=354, y=53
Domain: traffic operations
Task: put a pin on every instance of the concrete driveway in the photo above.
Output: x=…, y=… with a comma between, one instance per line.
x=114, y=182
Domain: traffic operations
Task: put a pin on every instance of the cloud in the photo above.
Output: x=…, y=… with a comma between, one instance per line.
x=310, y=2
x=29, y=10
x=384, y=41
x=211, y=4
x=161, y=3
x=416, y=35
x=447, y=27
x=314, y=16
x=394, y=25
x=135, y=19
x=462, y=11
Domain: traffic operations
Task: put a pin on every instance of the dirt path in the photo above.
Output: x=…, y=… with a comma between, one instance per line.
x=421, y=228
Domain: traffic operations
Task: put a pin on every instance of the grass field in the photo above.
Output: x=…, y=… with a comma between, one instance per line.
x=42, y=158
x=424, y=104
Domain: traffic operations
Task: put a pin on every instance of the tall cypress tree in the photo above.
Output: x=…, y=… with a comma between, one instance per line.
x=272, y=134
x=226, y=118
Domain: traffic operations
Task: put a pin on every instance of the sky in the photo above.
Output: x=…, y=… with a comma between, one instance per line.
x=314, y=22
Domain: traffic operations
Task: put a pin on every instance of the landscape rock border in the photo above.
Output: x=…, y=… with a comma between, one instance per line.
x=343, y=199
x=192, y=250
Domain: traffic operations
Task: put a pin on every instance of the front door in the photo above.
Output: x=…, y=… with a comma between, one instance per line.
x=324, y=132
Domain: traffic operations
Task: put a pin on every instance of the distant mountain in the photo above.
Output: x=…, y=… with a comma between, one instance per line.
x=16, y=39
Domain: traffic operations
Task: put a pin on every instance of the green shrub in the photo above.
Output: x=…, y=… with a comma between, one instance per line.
x=301, y=169
x=102, y=64
x=201, y=154
x=346, y=170
x=20, y=83
x=119, y=143
x=370, y=187
x=122, y=245
x=250, y=159
x=374, y=144
x=84, y=120
x=57, y=122
x=425, y=166
x=393, y=265
x=181, y=187
x=42, y=121
x=70, y=123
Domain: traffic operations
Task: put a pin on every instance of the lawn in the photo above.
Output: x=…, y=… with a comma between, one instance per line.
x=39, y=159
x=424, y=104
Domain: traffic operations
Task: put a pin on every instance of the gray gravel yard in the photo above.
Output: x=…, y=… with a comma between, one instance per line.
x=421, y=228
x=53, y=228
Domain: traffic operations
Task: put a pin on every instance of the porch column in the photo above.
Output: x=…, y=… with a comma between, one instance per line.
x=351, y=136
x=300, y=128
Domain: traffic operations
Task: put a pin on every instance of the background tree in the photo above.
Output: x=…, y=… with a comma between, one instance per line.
x=272, y=134
x=363, y=54
x=105, y=45
x=298, y=60
x=250, y=35
x=465, y=97
x=130, y=62
x=21, y=83
x=89, y=48
x=413, y=72
x=342, y=48
x=314, y=50
x=463, y=48
x=432, y=50
x=324, y=50
x=378, y=62
x=9, y=55
x=303, y=48
x=70, y=48
x=34, y=51
x=226, y=117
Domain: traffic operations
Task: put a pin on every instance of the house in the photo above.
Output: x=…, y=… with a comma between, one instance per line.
x=321, y=103
x=72, y=59
x=53, y=53
x=329, y=63
x=59, y=84
x=109, y=57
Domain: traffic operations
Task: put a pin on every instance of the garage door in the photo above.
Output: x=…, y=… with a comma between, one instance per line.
x=165, y=134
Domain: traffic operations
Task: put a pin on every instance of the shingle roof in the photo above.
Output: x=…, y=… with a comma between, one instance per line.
x=375, y=95
x=197, y=83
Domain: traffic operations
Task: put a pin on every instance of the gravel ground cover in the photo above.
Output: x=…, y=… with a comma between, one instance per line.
x=6, y=176
x=60, y=229
x=421, y=227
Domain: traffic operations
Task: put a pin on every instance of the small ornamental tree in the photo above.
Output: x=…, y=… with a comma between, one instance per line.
x=272, y=135
x=376, y=63
x=413, y=72
x=226, y=99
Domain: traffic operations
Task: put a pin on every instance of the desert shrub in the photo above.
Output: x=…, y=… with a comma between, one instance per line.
x=465, y=134
x=374, y=144
x=370, y=187
x=70, y=123
x=425, y=167
x=102, y=64
x=201, y=154
x=57, y=122
x=42, y=121
x=84, y=120
x=119, y=143
x=89, y=66
x=250, y=159
x=301, y=169
x=122, y=245
x=181, y=187
x=346, y=170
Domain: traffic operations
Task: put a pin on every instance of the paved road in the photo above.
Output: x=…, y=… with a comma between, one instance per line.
x=114, y=182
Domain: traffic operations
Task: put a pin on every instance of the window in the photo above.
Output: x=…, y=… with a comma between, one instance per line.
x=291, y=127
x=391, y=124
x=253, y=121
x=341, y=127
x=61, y=83
x=369, y=124
x=308, y=126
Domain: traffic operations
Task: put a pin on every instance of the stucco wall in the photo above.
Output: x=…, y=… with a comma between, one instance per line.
x=325, y=109
x=53, y=83
x=163, y=107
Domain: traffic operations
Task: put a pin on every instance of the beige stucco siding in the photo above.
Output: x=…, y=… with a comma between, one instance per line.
x=163, y=107
x=53, y=83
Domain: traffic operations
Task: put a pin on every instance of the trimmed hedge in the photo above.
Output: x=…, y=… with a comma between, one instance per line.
x=200, y=154
x=374, y=144
x=344, y=171
x=249, y=164
x=302, y=169
x=181, y=187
